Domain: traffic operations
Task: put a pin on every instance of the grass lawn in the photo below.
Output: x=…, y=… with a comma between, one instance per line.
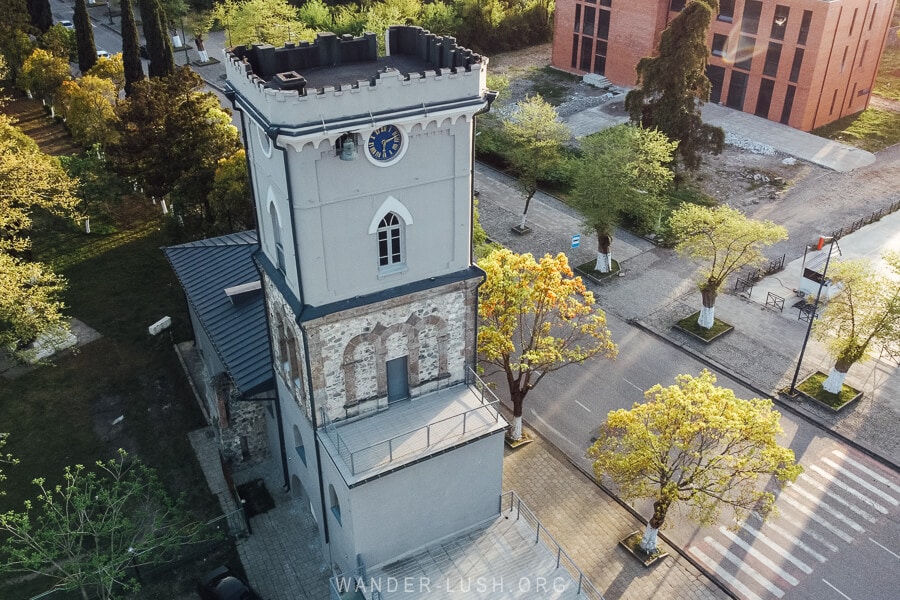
x=887, y=83
x=812, y=387
x=689, y=324
x=871, y=130
x=587, y=269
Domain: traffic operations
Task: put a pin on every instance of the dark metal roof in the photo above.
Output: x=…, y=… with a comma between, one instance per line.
x=237, y=330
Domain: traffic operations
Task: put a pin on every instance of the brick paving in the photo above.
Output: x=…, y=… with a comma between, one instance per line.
x=588, y=524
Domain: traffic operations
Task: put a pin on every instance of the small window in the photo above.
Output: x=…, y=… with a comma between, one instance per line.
x=609, y=3
x=718, y=44
x=844, y=58
x=276, y=234
x=750, y=20
x=575, y=51
x=779, y=22
x=764, y=98
x=853, y=20
x=335, y=503
x=788, y=105
x=773, y=57
x=833, y=101
x=872, y=20
x=677, y=5
x=862, y=55
x=577, y=18
x=726, y=11
x=588, y=27
x=795, y=67
x=804, y=27
x=743, y=58
x=390, y=242
x=298, y=445
x=603, y=24
x=587, y=51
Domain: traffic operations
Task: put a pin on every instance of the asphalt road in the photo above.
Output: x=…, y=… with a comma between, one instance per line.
x=838, y=535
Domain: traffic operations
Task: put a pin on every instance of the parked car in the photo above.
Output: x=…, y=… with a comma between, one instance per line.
x=102, y=53
x=225, y=584
x=67, y=24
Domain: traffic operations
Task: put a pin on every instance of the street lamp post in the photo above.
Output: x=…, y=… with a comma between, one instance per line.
x=831, y=242
x=109, y=11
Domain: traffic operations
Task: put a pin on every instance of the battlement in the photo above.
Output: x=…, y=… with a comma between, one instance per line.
x=337, y=81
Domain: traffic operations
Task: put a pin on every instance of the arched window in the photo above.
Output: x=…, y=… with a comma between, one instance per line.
x=390, y=242
x=276, y=234
x=298, y=444
x=335, y=503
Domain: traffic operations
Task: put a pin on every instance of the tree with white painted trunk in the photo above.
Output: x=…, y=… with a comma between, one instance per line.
x=864, y=316
x=698, y=444
x=622, y=175
x=536, y=318
x=536, y=137
x=726, y=241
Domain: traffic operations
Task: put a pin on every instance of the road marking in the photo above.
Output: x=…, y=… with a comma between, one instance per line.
x=885, y=549
x=789, y=537
x=861, y=482
x=832, y=479
x=884, y=481
x=817, y=519
x=742, y=566
x=809, y=480
x=725, y=575
x=632, y=385
x=781, y=551
x=759, y=556
x=824, y=505
x=582, y=406
x=837, y=590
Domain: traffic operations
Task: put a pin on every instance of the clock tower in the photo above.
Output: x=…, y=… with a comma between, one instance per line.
x=361, y=168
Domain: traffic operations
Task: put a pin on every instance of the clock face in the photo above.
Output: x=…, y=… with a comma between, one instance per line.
x=385, y=143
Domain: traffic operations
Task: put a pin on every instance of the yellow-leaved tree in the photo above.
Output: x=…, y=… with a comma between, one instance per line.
x=864, y=315
x=698, y=444
x=536, y=318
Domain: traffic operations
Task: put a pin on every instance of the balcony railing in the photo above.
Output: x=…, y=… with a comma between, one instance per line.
x=422, y=438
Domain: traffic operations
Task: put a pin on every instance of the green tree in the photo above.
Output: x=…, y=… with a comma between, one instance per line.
x=260, y=22
x=99, y=189
x=60, y=42
x=88, y=532
x=536, y=145
x=623, y=173
x=162, y=61
x=29, y=180
x=132, y=68
x=170, y=130
x=673, y=85
x=865, y=315
x=439, y=18
x=230, y=200
x=41, y=16
x=84, y=37
x=43, y=74
x=535, y=319
x=698, y=444
x=725, y=240
x=15, y=48
x=89, y=109
x=5, y=458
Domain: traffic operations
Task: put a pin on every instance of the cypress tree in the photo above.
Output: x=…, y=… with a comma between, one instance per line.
x=84, y=37
x=162, y=61
x=131, y=57
x=41, y=17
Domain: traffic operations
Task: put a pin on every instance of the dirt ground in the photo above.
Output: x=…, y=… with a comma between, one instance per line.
x=736, y=176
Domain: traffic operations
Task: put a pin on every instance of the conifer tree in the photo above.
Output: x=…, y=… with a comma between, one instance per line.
x=41, y=17
x=84, y=37
x=674, y=85
x=162, y=61
x=131, y=57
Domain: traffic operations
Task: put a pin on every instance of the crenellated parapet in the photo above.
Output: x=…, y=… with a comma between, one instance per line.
x=339, y=83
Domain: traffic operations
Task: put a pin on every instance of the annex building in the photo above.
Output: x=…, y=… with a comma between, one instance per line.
x=804, y=63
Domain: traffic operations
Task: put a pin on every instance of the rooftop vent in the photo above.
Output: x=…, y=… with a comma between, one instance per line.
x=241, y=294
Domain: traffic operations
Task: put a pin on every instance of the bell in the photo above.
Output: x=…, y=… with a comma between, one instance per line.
x=348, y=149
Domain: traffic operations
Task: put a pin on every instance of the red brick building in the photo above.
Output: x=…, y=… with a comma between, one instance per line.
x=804, y=63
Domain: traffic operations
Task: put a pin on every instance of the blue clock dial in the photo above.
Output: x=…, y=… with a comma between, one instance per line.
x=384, y=143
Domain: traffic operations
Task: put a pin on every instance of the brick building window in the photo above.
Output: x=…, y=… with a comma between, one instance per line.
x=743, y=58
x=833, y=101
x=736, y=90
x=862, y=55
x=773, y=56
x=600, y=58
x=853, y=20
x=726, y=11
x=718, y=44
x=852, y=95
x=779, y=22
x=677, y=5
x=795, y=66
x=716, y=76
x=764, y=99
x=577, y=18
x=804, y=27
x=588, y=25
x=750, y=20
x=587, y=51
x=872, y=20
x=844, y=58
x=603, y=24
x=575, y=51
x=788, y=104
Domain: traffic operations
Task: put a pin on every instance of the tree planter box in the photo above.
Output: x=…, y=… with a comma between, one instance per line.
x=518, y=229
x=690, y=327
x=587, y=271
x=632, y=543
x=811, y=388
x=526, y=439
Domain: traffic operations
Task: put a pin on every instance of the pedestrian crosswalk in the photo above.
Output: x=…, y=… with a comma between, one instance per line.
x=838, y=500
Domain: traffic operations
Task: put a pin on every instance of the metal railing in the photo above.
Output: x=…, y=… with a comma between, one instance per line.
x=875, y=216
x=775, y=301
x=413, y=440
x=541, y=535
